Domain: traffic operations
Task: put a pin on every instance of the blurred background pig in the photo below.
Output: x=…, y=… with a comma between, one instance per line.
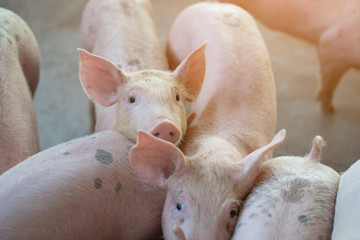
x=19, y=76
x=229, y=137
x=293, y=198
x=124, y=32
x=332, y=25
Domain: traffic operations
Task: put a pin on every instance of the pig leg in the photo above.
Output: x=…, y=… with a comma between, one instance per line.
x=19, y=73
x=337, y=53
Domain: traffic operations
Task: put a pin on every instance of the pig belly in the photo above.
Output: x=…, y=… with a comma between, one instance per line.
x=291, y=207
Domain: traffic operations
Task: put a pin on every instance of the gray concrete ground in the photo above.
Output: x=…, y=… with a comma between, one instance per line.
x=62, y=107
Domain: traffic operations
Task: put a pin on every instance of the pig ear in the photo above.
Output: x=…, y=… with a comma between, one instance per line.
x=252, y=162
x=190, y=118
x=315, y=152
x=192, y=72
x=154, y=159
x=100, y=78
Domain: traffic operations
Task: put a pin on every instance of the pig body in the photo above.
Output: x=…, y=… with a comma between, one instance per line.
x=293, y=198
x=19, y=76
x=332, y=25
x=346, y=219
x=116, y=30
x=82, y=189
x=228, y=139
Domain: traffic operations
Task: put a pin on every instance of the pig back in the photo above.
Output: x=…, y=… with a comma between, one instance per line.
x=292, y=198
x=238, y=99
x=82, y=189
x=19, y=76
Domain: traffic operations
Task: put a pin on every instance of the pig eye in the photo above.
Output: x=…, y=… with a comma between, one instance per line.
x=233, y=213
x=177, y=97
x=179, y=206
x=132, y=99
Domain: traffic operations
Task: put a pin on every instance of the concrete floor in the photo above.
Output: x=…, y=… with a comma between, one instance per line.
x=62, y=107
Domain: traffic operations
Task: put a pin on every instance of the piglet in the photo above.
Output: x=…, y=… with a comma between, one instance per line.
x=19, y=76
x=204, y=189
x=293, y=198
x=235, y=119
x=82, y=189
x=128, y=95
x=333, y=25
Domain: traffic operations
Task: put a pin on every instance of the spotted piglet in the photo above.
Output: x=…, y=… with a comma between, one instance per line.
x=127, y=94
x=293, y=198
x=19, y=76
x=82, y=189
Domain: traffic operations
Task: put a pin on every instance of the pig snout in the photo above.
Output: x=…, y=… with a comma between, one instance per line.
x=166, y=130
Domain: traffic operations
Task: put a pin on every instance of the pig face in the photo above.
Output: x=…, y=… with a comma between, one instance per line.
x=149, y=100
x=204, y=190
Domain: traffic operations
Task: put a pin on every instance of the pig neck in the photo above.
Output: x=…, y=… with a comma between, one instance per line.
x=234, y=119
x=125, y=46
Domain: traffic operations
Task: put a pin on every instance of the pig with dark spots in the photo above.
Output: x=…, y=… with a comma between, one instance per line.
x=19, y=76
x=332, y=24
x=79, y=195
x=297, y=198
x=143, y=94
x=229, y=135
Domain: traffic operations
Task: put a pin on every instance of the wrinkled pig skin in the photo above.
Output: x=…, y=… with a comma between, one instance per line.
x=82, y=189
x=19, y=76
x=124, y=33
x=293, y=198
x=333, y=25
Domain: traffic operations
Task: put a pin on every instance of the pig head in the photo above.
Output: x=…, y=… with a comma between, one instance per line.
x=205, y=189
x=150, y=100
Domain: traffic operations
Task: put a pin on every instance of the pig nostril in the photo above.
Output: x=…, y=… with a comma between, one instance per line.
x=156, y=134
x=172, y=134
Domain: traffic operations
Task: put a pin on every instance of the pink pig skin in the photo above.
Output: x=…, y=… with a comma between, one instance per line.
x=133, y=88
x=124, y=32
x=232, y=133
x=333, y=25
x=238, y=99
x=82, y=189
x=19, y=76
x=293, y=198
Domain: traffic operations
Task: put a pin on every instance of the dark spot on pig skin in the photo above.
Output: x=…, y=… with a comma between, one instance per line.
x=118, y=187
x=66, y=153
x=133, y=62
x=5, y=29
x=303, y=219
x=98, y=183
x=253, y=215
x=296, y=191
x=103, y=157
x=17, y=37
x=269, y=215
